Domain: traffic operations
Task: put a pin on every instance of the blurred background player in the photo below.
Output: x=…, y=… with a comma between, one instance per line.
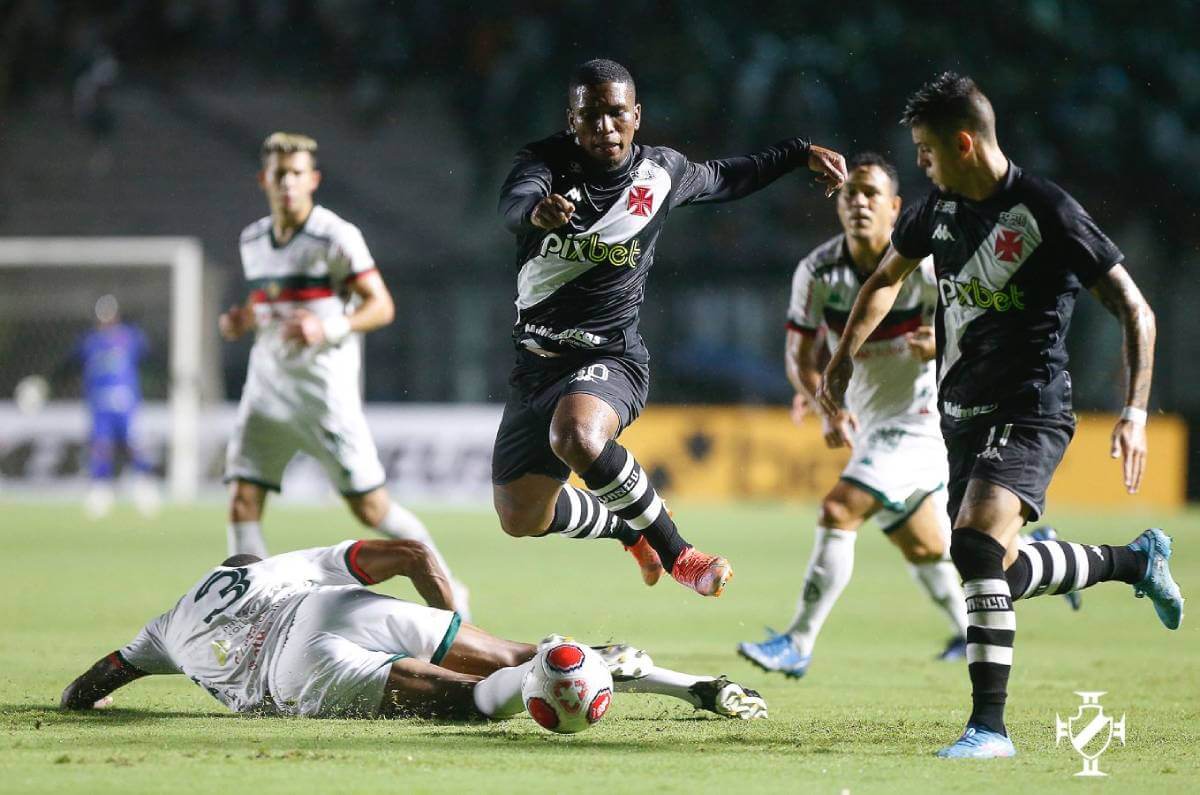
x=1011, y=252
x=110, y=354
x=298, y=634
x=587, y=206
x=897, y=469
x=313, y=288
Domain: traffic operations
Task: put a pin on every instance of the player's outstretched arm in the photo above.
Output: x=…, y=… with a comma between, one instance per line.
x=804, y=373
x=106, y=675
x=382, y=559
x=1120, y=296
x=737, y=177
x=874, y=300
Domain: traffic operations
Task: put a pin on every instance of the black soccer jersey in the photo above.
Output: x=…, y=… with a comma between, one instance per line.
x=1008, y=269
x=580, y=286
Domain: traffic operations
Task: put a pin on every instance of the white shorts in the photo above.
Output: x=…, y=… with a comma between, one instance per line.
x=263, y=442
x=898, y=466
x=339, y=650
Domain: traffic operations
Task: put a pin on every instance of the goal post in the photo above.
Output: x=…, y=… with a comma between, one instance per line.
x=183, y=260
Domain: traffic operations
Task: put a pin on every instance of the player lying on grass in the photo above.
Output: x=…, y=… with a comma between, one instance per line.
x=298, y=634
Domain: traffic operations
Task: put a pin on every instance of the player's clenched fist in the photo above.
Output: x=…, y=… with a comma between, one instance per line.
x=236, y=322
x=552, y=212
x=829, y=165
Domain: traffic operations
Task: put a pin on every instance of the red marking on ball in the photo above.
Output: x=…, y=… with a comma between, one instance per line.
x=600, y=705
x=542, y=712
x=565, y=658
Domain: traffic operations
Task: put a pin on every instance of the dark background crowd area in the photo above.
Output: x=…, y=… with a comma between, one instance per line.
x=134, y=117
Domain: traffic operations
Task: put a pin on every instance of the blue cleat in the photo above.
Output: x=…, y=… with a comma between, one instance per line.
x=1048, y=533
x=978, y=742
x=956, y=649
x=1158, y=583
x=776, y=653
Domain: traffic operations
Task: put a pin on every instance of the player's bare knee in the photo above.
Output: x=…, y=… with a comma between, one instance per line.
x=921, y=553
x=835, y=513
x=519, y=524
x=370, y=508
x=577, y=442
x=245, y=503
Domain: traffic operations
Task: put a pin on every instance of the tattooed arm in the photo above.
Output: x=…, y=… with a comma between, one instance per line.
x=1124, y=300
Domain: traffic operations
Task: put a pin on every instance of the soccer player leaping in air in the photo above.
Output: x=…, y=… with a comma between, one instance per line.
x=587, y=206
x=1011, y=252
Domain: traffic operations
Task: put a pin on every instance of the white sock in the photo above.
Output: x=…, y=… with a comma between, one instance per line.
x=245, y=538
x=829, y=570
x=664, y=682
x=499, y=695
x=940, y=580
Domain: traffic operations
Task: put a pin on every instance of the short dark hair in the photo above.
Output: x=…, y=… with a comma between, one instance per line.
x=880, y=162
x=950, y=102
x=600, y=70
x=243, y=559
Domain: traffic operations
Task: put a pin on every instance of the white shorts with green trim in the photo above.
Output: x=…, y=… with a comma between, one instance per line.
x=340, y=648
x=266, y=436
x=900, y=467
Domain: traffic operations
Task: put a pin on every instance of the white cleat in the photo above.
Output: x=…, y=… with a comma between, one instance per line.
x=99, y=501
x=626, y=663
x=729, y=699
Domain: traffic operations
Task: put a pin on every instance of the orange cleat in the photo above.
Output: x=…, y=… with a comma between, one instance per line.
x=648, y=559
x=707, y=575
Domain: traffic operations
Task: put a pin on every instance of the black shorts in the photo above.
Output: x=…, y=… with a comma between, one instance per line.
x=535, y=387
x=1019, y=454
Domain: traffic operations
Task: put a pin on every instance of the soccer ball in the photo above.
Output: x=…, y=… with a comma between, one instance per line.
x=568, y=688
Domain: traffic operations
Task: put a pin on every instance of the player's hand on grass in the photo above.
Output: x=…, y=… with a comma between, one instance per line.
x=552, y=212
x=839, y=428
x=922, y=343
x=830, y=167
x=832, y=393
x=303, y=329
x=235, y=322
x=1129, y=445
x=800, y=408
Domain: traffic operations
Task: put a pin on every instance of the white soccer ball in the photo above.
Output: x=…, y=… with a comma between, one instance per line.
x=568, y=688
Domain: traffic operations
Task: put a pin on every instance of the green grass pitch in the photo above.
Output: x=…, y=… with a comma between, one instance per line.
x=873, y=708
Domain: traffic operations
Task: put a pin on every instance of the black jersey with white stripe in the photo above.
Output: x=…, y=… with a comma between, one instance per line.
x=1009, y=269
x=580, y=287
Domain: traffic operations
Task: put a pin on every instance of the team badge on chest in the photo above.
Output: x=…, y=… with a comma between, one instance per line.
x=641, y=201
x=1009, y=245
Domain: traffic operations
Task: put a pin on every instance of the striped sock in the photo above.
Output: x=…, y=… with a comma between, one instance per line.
x=991, y=623
x=620, y=484
x=578, y=514
x=1059, y=567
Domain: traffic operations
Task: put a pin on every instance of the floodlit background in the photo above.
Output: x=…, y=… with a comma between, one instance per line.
x=143, y=118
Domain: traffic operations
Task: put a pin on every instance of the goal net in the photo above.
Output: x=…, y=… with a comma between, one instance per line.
x=48, y=290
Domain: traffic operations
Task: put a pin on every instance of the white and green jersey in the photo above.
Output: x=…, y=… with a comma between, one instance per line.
x=227, y=630
x=312, y=271
x=890, y=386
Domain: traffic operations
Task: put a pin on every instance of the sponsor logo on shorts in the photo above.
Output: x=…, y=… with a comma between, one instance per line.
x=975, y=294
x=593, y=372
x=991, y=454
x=957, y=412
x=576, y=248
x=572, y=336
